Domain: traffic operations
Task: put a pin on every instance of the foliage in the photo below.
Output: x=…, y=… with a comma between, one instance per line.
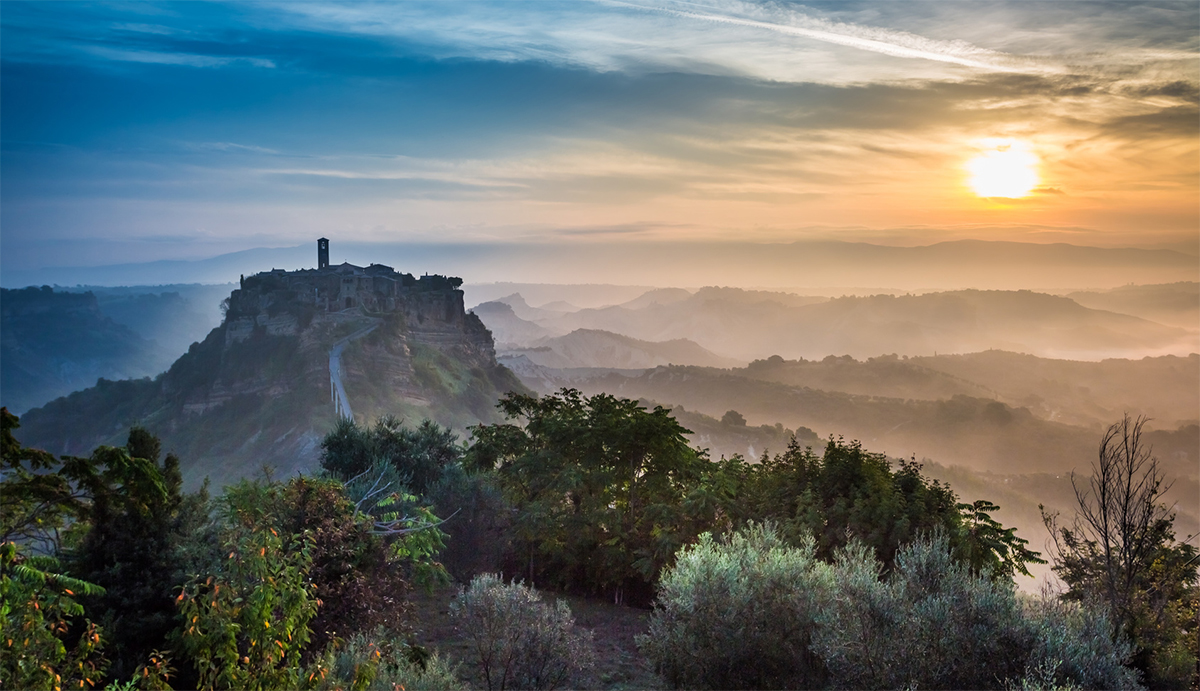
x=36, y=608
x=1120, y=551
x=1074, y=648
x=600, y=486
x=477, y=527
x=129, y=547
x=380, y=663
x=522, y=642
x=356, y=578
x=35, y=503
x=733, y=418
x=931, y=624
x=751, y=611
x=418, y=455
x=987, y=546
x=849, y=493
x=247, y=627
x=414, y=532
x=739, y=614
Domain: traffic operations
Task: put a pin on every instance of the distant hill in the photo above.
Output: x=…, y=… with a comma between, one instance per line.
x=660, y=296
x=507, y=328
x=756, y=324
x=560, y=306
x=1083, y=393
x=176, y=316
x=941, y=266
x=257, y=390
x=594, y=348
x=974, y=432
x=887, y=376
x=1177, y=304
x=53, y=343
x=523, y=310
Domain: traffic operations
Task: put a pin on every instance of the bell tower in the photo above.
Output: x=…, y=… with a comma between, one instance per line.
x=323, y=253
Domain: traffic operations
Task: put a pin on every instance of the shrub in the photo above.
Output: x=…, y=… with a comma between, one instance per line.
x=362, y=664
x=1074, y=647
x=750, y=611
x=739, y=613
x=522, y=642
x=933, y=624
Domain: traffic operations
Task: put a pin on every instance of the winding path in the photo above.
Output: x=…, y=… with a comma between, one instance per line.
x=340, y=403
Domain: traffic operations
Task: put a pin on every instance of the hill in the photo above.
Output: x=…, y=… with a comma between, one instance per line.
x=257, y=390
x=53, y=343
x=756, y=324
x=974, y=432
x=1079, y=393
x=1177, y=304
x=1083, y=393
x=508, y=328
x=176, y=316
x=594, y=348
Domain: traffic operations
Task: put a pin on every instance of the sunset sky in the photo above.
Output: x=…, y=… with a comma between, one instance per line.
x=135, y=132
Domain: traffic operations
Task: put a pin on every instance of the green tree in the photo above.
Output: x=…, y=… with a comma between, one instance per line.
x=1120, y=550
x=739, y=613
x=38, y=498
x=132, y=524
x=360, y=582
x=37, y=607
x=39, y=647
x=418, y=455
x=849, y=493
x=601, y=486
x=986, y=545
x=247, y=626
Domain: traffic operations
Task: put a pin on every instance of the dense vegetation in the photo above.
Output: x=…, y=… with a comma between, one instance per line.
x=839, y=569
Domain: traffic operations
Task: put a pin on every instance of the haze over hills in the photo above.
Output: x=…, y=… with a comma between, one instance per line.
x=175, y=316
x=750, y=325
x=982, y=434
x=603, y=349
x=945, y=265
x=1177, y=304
x=53, y=343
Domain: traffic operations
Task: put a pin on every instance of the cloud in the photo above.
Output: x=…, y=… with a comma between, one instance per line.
x=892, y=43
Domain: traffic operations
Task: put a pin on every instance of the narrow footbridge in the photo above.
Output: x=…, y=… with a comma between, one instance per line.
x=340, y=403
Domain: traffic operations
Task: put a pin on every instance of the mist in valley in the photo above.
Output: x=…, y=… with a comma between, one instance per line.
x=1003, y=394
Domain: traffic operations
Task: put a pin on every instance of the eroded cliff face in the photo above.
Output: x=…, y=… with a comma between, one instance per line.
x=257, y=390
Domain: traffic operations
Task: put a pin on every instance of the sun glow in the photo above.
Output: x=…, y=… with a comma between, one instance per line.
x=1006, y=168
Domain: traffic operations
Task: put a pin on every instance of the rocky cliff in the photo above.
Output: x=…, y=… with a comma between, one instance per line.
x=258, y=390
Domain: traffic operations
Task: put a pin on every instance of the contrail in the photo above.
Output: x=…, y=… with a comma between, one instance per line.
x=873, y=45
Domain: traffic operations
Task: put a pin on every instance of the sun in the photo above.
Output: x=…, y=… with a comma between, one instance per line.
x=1006, y=168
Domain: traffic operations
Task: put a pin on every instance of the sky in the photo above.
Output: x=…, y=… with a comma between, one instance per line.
x=144, y=131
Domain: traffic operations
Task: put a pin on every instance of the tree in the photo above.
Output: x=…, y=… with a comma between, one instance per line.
x=733, y=418
x=36, y=608
x=246, y=627
x=601, y=486
x=38, y=649
x=1120, y=550
x=37, y=501
x=359, y=582
x=418, y=455
x=131, y=520
x=849, y=493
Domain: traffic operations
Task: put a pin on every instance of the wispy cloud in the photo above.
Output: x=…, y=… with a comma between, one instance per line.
x=185, y=59
x=894, y=43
